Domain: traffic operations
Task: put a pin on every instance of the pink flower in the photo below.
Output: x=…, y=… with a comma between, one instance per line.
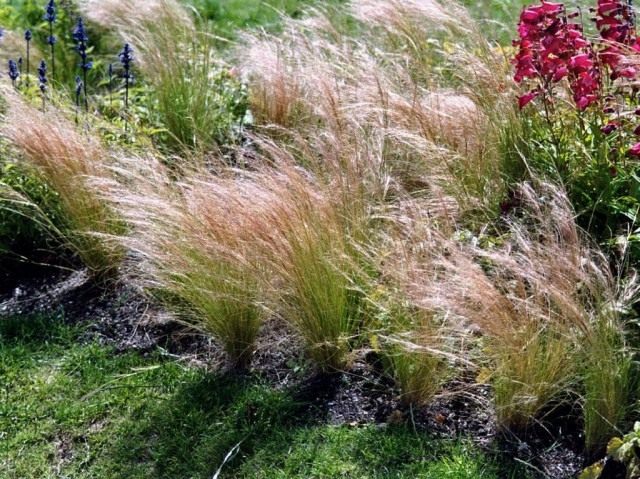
x=635, y=150
x=581, y=62
x=628, y=72
x=527, y=98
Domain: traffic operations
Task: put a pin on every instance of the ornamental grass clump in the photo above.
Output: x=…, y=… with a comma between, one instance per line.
x=194, y=242
x=544, y=306
x=65, y=160
x=230, y=246
x=310, y=249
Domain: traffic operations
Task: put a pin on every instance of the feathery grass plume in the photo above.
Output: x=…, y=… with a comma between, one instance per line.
x=50, y=16
x=447, y=62
x=539, y=301
x=65, y=159
x=309, y=241
x=231, y=243
x=423, y=349
x=361, y=98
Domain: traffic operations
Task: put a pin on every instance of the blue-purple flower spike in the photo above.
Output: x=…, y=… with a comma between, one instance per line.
x=28, y=36
x=126, y=58
x=80, y=36
x=42, y=79
x=42, y=76
x=50, y=15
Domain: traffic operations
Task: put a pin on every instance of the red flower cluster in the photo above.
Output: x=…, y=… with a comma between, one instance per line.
x=550, y=48
x=615, y=20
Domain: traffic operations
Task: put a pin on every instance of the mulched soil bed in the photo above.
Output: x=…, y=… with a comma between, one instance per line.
x=122, y=317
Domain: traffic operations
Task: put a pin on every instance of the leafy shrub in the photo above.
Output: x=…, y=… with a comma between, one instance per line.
x=195, y=96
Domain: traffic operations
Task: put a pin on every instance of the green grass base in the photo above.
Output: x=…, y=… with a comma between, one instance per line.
x=80, y=411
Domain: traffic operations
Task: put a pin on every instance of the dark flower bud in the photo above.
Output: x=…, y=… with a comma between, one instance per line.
x=126, y=58
x=28, y=35
x=609, y=128
x=14, y=73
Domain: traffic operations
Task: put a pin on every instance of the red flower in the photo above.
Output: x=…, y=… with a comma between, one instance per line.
x=615, y=22
x=551, y=49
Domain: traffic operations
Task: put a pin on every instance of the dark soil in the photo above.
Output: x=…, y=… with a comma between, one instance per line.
x=121, y=316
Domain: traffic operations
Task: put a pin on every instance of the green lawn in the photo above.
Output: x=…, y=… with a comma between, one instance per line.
x=73, y=410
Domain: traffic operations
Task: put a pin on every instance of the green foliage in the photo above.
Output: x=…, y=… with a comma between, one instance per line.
x=197, y=100
x=625, y=450
x=226, y=17
x=602, y=182
x=20, y=230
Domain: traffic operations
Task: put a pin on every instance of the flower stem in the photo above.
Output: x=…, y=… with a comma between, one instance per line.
x=53, y=56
